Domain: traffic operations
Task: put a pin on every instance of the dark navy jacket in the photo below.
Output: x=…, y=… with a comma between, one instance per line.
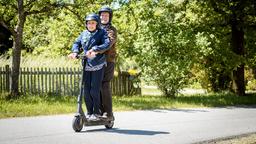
x=97, y=41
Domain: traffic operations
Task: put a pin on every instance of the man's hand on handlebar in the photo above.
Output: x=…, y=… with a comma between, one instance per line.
x=91, y=54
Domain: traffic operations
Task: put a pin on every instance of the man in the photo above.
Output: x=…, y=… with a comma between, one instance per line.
x=106, y=15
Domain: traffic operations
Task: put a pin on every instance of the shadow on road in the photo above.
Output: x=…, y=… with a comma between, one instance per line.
x=180, y=110
x=129, y=131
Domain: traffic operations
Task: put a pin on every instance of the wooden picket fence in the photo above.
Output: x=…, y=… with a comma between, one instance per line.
x=63, y=81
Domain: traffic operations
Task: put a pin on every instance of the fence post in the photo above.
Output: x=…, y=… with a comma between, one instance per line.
x=7, y=72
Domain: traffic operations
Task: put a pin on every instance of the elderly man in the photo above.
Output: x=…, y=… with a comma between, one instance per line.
x=106, y=15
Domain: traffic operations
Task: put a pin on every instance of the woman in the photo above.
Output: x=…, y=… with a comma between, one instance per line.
x=93, y=41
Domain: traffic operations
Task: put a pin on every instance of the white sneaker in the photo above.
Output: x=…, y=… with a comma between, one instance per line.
x=87, y=116
x=93, y=118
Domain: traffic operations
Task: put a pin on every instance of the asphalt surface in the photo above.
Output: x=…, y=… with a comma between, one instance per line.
x=174, y=126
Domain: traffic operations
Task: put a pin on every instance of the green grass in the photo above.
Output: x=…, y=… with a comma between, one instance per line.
x=36, y=105
x=31, y=105
x=159, y=102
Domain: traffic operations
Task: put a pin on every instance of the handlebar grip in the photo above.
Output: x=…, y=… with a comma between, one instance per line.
x=81, y=57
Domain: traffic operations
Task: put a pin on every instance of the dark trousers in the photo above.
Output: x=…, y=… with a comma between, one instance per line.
x=106, y=92
x=93, y=82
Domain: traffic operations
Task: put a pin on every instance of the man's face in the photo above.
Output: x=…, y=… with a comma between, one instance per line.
x=91, y=25
x=104, y=17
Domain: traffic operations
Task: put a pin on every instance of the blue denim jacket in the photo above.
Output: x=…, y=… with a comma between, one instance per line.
x=98, y=41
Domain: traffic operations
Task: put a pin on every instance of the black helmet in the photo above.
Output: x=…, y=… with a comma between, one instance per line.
x=94, y=17
x=107, y=9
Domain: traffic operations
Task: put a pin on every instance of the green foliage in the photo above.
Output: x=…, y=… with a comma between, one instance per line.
x=212, y=21
x=52, y=36
x=173, y=42
x=251, y=45
x=168, y=37
x=160, y=44
x=8, y=12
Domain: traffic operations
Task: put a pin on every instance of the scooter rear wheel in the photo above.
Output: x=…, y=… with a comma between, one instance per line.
x=110, y=125
x=77, y=123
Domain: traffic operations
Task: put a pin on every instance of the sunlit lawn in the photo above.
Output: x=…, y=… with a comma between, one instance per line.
x=31, y=105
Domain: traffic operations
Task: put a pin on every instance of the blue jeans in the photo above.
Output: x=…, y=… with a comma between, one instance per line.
x=93, y=81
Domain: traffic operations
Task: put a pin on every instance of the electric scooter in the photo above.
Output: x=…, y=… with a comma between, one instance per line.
x=80, y=119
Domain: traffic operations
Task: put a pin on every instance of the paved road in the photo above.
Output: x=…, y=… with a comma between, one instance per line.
x=139, y=127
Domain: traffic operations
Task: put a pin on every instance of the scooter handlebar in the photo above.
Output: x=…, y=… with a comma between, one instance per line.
x=82, y=56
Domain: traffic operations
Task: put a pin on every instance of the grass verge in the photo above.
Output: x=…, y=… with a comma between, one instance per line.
x=33, y=105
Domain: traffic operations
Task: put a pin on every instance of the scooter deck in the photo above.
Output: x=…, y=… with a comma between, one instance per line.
x=99, y=122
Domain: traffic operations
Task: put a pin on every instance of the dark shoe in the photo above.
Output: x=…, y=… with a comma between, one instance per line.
x=108, y=117
x=104, y=115
x=111, y=118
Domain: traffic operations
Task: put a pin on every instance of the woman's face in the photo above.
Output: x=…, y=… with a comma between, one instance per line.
x=91, y=25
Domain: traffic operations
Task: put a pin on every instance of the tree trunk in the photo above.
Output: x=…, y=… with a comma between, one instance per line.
x=16, y=53
x=239, y=49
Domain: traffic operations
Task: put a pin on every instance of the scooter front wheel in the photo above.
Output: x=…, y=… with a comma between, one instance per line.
x=77, y=123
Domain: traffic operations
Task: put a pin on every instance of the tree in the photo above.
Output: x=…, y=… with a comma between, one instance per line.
x=14, y=14
x=53, y=34
x=160, y=42
x=215, y=57
x=236, y=18
x=13, y=17
x=210, y=33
